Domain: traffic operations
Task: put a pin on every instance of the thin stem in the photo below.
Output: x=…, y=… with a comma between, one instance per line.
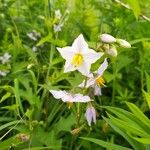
x=114, y=82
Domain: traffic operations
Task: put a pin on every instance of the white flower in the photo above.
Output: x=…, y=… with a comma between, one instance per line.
x=58, y=27
x=112, y=51
x=90, y=115
x=5, y=58
x=96, y=82
x=79, y=56
x=69, y=97
x=34, y=48
x=34, y=35
x=123, y=43
x=58, y=13
x=4, y=73
x=107, y=38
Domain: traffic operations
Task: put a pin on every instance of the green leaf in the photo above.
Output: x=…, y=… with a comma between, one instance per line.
x=148, y=82
x=138, y=113
x=132, y=128
x=123, y=133
x=147, y=97
x=105, y=144
x=10, y=124
x=135, y=6
x=4, y=97
x=66, y=122
x=10, y=142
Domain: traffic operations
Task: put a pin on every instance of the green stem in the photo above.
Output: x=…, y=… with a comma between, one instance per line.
x=114, y=82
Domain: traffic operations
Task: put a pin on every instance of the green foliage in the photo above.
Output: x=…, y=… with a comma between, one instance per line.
x=30, y=117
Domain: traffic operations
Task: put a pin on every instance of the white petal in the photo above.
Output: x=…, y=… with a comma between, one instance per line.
x=89, y=82
x=69, y=67
x=97, y=91
x=91, y=56
x=84, y=68
x=93, y=114
x=88, y=115
x=63, y=95
x=66, y=52
x=80, y=44
x=102, y=67
x=82, y=84
x=58, y=94
x=81, y=98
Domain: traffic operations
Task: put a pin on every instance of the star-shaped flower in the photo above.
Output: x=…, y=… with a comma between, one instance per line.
x=96, y=81
x=79, y=56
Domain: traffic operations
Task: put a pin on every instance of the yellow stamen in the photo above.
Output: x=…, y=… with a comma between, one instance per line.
x=77, y=60
x=100, y=81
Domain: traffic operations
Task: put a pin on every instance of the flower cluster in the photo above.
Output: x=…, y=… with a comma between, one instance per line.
x=109, y=44
x=80, y=57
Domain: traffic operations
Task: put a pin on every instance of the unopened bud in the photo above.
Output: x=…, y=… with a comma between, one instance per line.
x=107, y=38
x=23, y=137
x=76, y=131
x=112, y=51
x=123, y=43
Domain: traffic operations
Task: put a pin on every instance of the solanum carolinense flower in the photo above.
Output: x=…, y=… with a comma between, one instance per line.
x=90, y=115
x=69, y=97
x=79, y=56
x=96, y=81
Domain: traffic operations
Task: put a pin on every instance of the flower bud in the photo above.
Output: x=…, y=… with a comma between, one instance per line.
x=90, y=115
x=112, y=51
x=123, y=43
x=107, y=38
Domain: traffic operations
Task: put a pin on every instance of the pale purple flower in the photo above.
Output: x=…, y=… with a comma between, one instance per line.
x=69, y=97
x=107, y=38
x=57, y=28
x=5, y=58
x=34, y=35
x=96, y=81
x=79, y=56
x=90, y=115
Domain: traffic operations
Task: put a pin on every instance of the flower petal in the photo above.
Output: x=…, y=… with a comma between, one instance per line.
x=69, y=67
x=84, y=68
x=93, y=114
x=58, y=94
x=91, y=56
x=63, y=95
x=102, y=68
x=81, y=98
x=67, y=52
x=88, y=115
x=97, y=90
x=80, y=44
